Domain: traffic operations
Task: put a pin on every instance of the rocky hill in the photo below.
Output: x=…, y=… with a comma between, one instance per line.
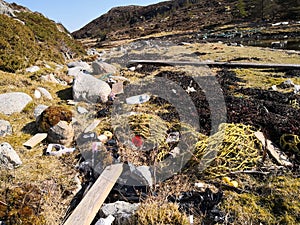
x=27, y=37
x=184, y=15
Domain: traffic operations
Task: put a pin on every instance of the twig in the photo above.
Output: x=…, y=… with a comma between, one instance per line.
x=3, y=203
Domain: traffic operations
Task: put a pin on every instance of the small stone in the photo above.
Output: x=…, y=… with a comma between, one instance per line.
x=45, y=93
x=120, y=209
x=13, y=102
x=5, y=128
x=9, y=159
x=32, y=69
x=37, y=94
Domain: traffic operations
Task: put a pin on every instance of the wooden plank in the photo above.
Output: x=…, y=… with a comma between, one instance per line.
x=33, y=141
x=87, y=209
x=92, y=126
x=218, y=64
x=279, y=156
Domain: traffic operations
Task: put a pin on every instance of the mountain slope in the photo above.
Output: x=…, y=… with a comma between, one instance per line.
x=184, y=15
x=26, y=37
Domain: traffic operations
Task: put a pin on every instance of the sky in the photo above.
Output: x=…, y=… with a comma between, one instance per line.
x=74, y=14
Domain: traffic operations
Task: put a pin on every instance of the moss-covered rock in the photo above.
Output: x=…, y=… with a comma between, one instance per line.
x=52, y=116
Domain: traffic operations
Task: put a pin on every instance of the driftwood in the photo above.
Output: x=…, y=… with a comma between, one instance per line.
x=218, y=64
x=87, y=209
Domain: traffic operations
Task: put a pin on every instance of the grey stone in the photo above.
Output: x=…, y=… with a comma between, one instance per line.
x=121, y=210
x=32, y=69
x=38, y=110
x=62, y=133
x=5, y=128
x=13, y=102
x=45, y=93
x=100, y=67
x=9, y=159
x=90, y=89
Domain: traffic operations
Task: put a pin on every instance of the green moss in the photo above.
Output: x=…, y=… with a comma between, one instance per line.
x=273, y=201
x=39, y=39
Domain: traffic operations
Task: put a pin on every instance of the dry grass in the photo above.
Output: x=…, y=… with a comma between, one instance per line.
x=53, y=177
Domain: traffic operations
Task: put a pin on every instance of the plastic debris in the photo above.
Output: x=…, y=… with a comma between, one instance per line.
x=201, y=203
x=137, y=141
x=58, y=150
x=138, y=99
x=106, y=221
x=228, y=181
x=172, y=137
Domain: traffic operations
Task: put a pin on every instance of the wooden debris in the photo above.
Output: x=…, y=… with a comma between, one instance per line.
x=36, y=139
x=275, y=152
x=218, y=64
x=92, y=126
x=87, y=209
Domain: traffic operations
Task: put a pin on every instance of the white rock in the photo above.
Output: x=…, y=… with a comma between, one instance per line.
x=32, y=69
x=45, y=93
x=37, y=94
x=9, y=159
x=13, y=102
x=5, y=128
x=119, y=209
x=38, y=110
x=106, y=221
x=90, y=89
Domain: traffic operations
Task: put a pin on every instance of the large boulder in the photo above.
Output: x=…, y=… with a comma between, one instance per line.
x=13, y=102
x=90, y=89
x=9, y=159
x=100, y=67
x=5, y=128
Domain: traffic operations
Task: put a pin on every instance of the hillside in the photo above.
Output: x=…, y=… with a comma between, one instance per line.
x=27, y=37
x=184, y=15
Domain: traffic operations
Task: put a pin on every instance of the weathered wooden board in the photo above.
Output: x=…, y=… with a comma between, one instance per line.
x=219, y=64
x=87, y=209
x=36, y=139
